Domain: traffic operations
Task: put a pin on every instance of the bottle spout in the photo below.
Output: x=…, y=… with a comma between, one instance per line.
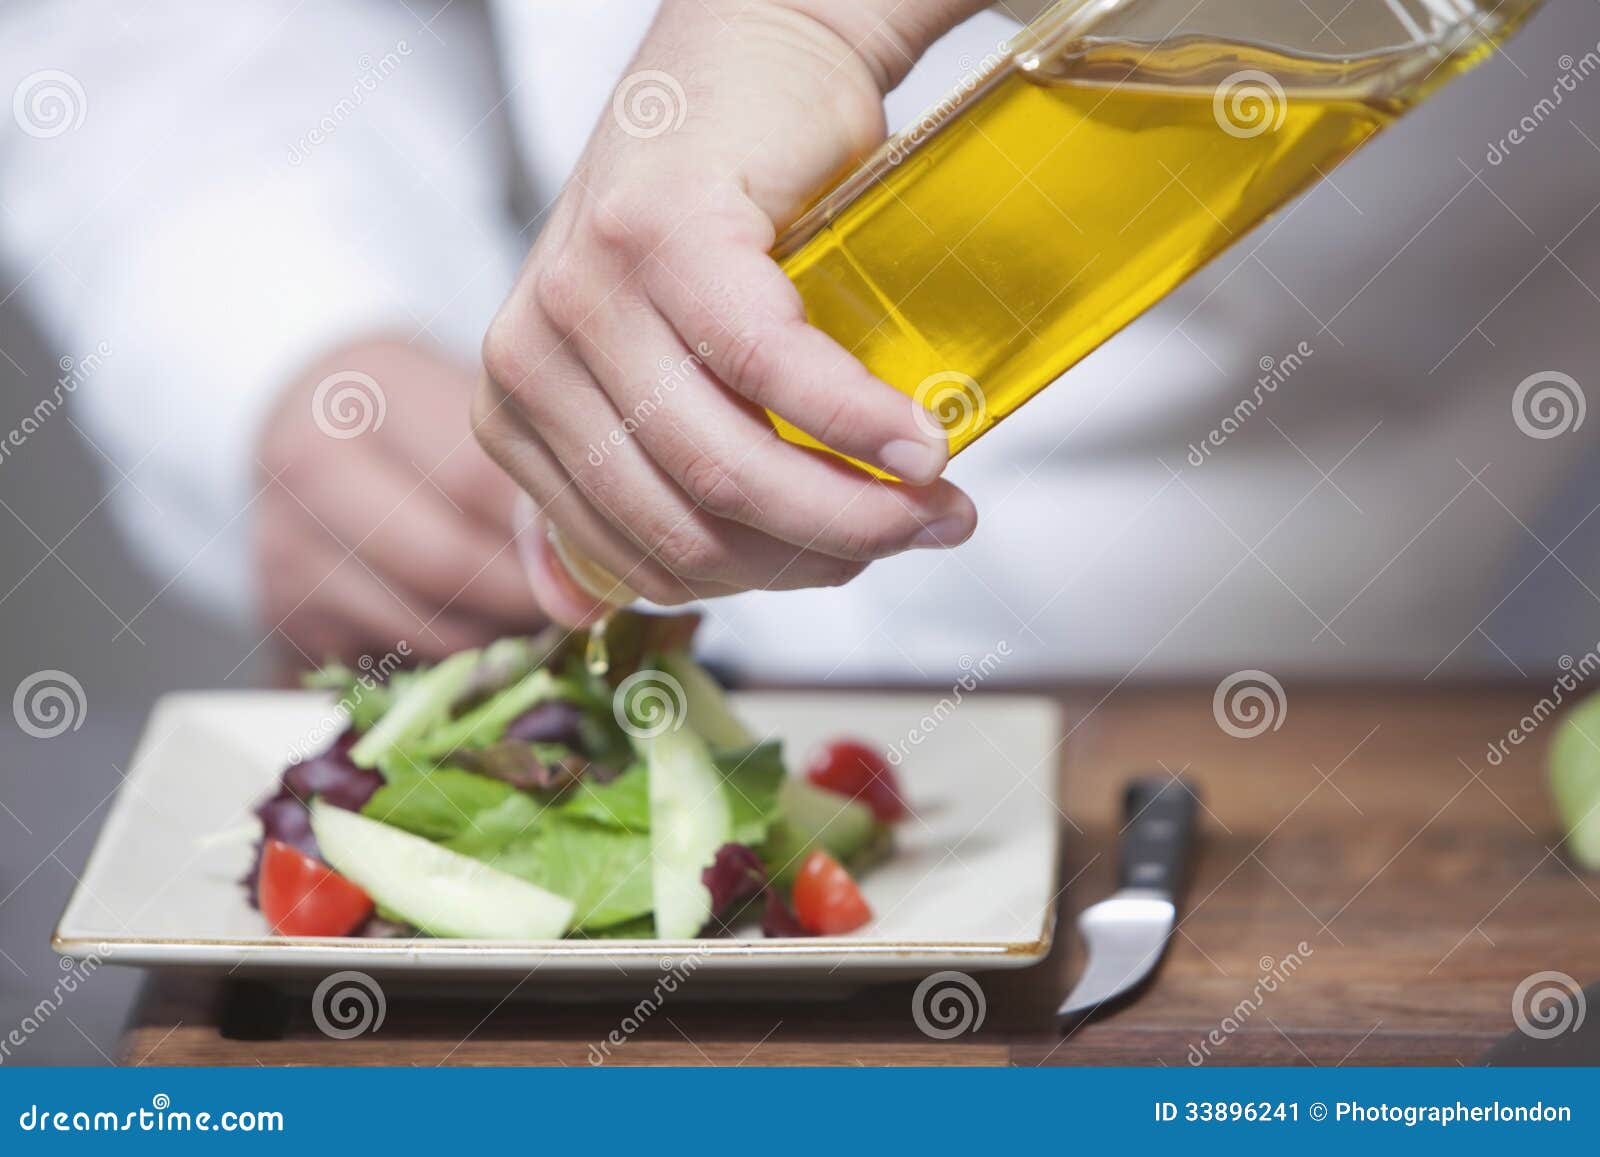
x=570, y=588
x=588, y=574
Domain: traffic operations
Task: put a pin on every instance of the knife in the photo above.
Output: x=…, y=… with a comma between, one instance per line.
x=1567, y=1036
x=1126, y=933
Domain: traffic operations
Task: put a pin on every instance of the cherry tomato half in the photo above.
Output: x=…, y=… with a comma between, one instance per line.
x=851, y=768
x=301, y=896
x=826, y=899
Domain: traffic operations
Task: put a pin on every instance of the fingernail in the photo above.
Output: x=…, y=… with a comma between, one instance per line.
x=916, y=462
x=951, y=530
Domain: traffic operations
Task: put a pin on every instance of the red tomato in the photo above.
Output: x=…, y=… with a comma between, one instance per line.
x=851, y=768
x=826, y=899
x=301, y=896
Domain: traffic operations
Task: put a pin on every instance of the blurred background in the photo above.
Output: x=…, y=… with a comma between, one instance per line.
x=74, y=600
x=1510, y=245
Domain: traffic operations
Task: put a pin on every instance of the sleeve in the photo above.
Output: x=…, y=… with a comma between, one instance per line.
x=200, y=201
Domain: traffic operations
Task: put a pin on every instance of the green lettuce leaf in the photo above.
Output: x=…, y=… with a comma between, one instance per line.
x=604, y=871
x=642, y=928
x=624, y=803
x=440, y=803
x=751, y=777
x=359, y=692
x=514, y=818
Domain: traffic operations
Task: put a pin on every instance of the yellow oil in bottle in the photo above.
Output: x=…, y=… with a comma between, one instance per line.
x=1070, y=196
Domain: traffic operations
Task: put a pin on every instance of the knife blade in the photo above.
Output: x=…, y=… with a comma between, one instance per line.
x=1126, y=933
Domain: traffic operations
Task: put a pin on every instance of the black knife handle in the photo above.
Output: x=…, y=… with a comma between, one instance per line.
x=1158, y=815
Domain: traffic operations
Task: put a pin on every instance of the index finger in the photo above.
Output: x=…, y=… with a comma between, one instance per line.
x=729, y=294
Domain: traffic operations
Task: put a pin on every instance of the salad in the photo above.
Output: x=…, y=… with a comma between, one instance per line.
x=573, y=783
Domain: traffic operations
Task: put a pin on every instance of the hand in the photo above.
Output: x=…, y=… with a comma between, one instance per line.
x=628, y=370
x=382, y=521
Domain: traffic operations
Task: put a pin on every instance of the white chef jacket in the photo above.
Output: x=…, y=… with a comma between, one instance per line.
x=237, y=187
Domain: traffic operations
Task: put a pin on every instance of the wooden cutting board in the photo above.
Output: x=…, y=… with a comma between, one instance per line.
x=1368, y=890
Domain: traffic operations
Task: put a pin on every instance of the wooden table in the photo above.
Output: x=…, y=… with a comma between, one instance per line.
x=1423, y=883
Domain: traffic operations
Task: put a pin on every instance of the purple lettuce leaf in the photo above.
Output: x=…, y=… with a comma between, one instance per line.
x=330, y=775
x=553, y=721
x=779, y=922
x=734, y=877
x=513, y=762
x=285, y=815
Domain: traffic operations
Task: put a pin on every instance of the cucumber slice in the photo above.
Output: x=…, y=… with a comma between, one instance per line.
x=426, y=700
x=440, y=891
x=815, y=818
x=707, y=704
x=486, y=722
x=689, y=820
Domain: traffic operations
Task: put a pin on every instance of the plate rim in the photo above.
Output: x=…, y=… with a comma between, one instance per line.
x=424, y=953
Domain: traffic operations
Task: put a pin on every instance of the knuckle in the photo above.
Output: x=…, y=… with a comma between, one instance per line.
x=603, y=487
x=560, y=289
x=689, y=552
x=836, y=423
x=663, y=589
x=626, y=221
x=713, y=486
x=485, y=418
x=840, y=572
x=754, y=361
x=495, y=436
x=506, y=358
x=857, y=544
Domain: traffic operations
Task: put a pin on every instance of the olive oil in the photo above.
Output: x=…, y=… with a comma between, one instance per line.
x=980, y=262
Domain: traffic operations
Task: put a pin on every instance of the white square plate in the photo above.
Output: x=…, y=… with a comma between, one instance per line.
x=971, y=885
